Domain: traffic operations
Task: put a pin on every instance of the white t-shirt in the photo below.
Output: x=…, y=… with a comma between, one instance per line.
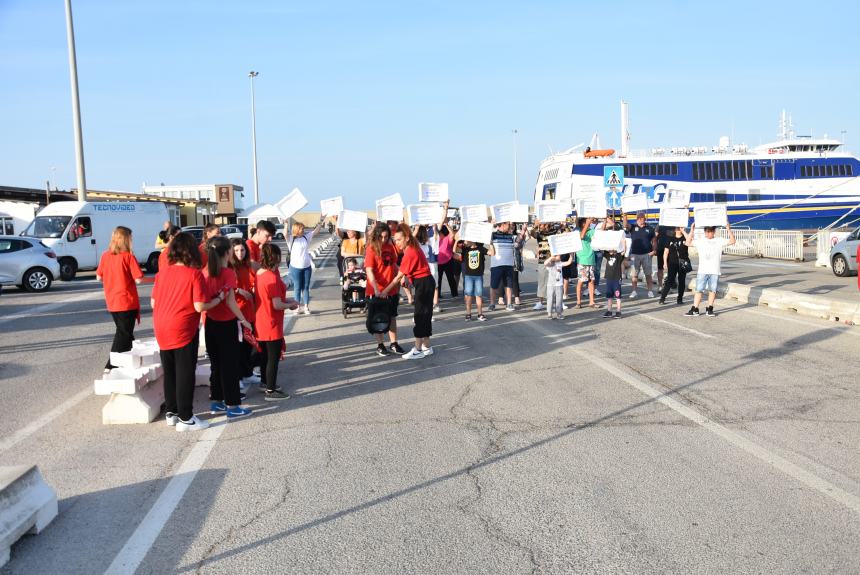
x=710, y=254
x=300, y=256
x=554, y=276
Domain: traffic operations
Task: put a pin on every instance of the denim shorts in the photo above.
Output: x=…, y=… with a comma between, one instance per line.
x=707, y=282
x=473, y=285
x=499, y=272
x=613, y=289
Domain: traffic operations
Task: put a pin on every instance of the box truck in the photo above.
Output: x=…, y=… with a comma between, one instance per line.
x=79, y=232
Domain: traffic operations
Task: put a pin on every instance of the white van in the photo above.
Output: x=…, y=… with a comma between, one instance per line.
x=79, y=232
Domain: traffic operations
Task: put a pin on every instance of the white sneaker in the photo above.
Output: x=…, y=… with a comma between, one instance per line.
x=597, y=292
x=565, y=306
x=253, y=378
x=538, y=306
x=256, y=371
x=414, y=354
x=633, y=295
x=306, y=310
x=171, y=418
x=192, y=424
x=427, y=350
x=650, y=294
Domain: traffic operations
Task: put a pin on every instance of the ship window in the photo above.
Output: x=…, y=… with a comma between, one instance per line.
x=770, y=172
x=802, y=171
x=840, y=169
x=636, y=171
x=744, y=175
x=661, y=169
x=674, y=169
x=817, y=171
x=695, y=171
x=829, y=170
x=761, y=172
x=755, y=195
x=850, y=169
x=750, y=175
x=722, y=170
x=720, y=196
x=653, y=169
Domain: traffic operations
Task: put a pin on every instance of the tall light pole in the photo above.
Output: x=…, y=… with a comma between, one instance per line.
x=253, y=75
x=516, y=184
x=76, y=105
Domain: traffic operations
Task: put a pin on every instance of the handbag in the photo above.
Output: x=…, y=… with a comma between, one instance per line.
x=685, y=265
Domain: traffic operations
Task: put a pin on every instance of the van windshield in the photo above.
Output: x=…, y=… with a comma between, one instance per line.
x=47, y=226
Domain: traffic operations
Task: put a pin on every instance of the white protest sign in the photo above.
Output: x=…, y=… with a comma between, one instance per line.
x=591, y=206
x=352, y=220
x=549, y=211
x=425, y=214
x=710, y=216
x=290, y=204
x=560, y=244
x=630, y=204
x=519, y=214
x=389, y=213
x=674, y=217
x=331, y=206
x=432, y=192
x=479, y=232
x=609, y=240
x=677, y=199
x=392, y=200
x=474, y=213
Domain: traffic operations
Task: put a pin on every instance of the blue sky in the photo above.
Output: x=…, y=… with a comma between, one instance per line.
x=363, y=99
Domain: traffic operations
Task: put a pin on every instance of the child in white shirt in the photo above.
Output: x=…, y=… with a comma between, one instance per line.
x=554, y=283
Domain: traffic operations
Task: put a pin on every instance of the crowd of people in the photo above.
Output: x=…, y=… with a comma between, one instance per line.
x=233, y=288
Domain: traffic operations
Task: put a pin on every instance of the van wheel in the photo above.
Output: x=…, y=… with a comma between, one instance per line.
x=37, y=280
x=840, y=265
x=152, y=263
x=68, y=269
x=279, y=236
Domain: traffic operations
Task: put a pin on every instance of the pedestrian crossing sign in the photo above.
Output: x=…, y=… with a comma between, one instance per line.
x=613, y=176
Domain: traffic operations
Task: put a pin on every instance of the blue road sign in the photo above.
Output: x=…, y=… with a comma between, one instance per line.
x=613, y=176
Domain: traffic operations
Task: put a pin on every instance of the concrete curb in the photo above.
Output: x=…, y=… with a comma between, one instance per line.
x=816, y=306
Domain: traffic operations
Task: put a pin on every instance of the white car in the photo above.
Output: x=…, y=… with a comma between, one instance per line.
x=232, y=232
x=27, y=263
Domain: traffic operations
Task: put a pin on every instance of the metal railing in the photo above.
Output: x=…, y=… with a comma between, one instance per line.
x=776, y=244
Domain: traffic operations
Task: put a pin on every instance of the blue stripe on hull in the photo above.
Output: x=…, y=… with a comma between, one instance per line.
x=812, y=218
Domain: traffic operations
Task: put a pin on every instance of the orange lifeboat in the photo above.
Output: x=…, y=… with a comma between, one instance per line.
x=597, y=153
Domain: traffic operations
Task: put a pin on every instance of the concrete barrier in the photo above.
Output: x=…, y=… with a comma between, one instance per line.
x=27, y=505
x=136, y=386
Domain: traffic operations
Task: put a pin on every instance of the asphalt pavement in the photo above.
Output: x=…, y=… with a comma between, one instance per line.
x=653, y=443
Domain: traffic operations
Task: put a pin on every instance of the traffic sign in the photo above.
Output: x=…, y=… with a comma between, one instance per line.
x=613, y=176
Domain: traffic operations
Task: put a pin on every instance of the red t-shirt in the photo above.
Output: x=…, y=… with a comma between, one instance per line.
x=858, y=261
x=384, y=266
x=245, y=279
x=118, y=272
x=253, y=250
x=225, y=282
x=414, y=263
x=177, y=288
x=269, y=321
x=204, y=255
x=162, y=260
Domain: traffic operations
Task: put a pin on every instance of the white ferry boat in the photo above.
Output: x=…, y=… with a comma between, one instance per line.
x=792, y=183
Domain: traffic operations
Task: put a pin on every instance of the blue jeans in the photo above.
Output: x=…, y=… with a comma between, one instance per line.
x=473, y=286
x=301, y=278
x=598, y=261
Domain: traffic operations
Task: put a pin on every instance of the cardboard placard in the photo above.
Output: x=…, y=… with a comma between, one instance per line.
x=633, y=203
x=550, y=211
x=710, y=216
x=352, y=220
x=432, y=192
x=674, y=217
x=591, y=206
x=389, y=213
x=567, y=243
x=480, y=232
x=425, y=214
x=392, y=200
x=290, y=204
x=608, y=240
x=331, y=206
x=473, y=213
x=676, y=199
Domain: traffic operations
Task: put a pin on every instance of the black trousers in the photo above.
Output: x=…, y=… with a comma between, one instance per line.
x=451, y=270
x=222, y=345
x=424, y=288
x=270, y=357
x=124, y=321
x=674, y=271
x=246, y=359
x=515, y=285
x=178, y=367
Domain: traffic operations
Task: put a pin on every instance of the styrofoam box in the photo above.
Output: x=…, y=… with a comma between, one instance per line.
x=141, y=407
x=123, y=380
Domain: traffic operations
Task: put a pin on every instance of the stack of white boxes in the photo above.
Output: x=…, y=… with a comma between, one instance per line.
x=136, y=387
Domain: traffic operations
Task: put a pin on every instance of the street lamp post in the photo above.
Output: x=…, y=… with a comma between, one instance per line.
x=252, y=74
x=76, y=105
x=516, y=184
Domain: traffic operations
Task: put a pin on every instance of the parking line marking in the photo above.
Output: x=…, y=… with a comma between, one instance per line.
x=40, y=309
x=675, y=325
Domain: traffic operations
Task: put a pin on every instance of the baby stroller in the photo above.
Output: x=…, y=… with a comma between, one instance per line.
x=353, y=287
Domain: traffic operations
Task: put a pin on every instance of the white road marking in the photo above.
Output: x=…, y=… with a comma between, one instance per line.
x=675, y=325
x=823, y=325
x=44, y=420
x=138, y=545
x=41, y=309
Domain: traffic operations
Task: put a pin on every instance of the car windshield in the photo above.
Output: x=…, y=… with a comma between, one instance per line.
x=47, y=226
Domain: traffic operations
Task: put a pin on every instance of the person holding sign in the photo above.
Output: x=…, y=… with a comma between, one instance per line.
x=710, y=250
x=380, y=263
x=585, y=262
x=676, y=260
x=414, y=267
x=554, y=281
x=502, y=264
x=644, y=246
x=300, y=263
x=473, y=257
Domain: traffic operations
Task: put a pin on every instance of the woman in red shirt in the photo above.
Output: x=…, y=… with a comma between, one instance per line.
x=380, y=263
x=178, y=297
x=415, y=267
x=240, y=263
x=119, y=272
x=166, y=236
x=222, y=332
x=271, y=300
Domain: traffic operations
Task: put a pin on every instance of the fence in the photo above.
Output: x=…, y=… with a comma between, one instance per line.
x=776, y=244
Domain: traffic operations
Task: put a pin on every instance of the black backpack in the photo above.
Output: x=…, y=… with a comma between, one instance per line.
x=378, y=315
